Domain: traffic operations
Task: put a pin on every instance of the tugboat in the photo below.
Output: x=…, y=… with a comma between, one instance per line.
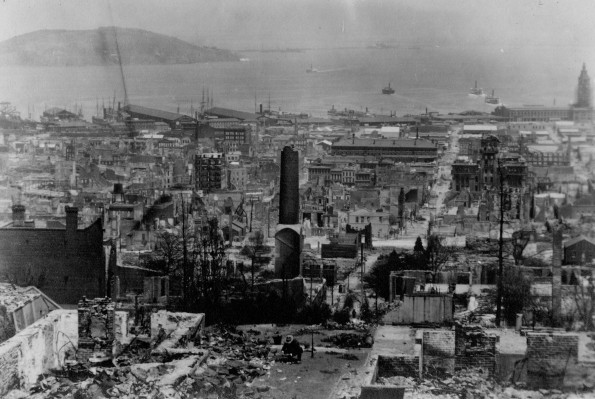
x=311, y=69
x=493, y=100
x=388, y=90
x=476, y=91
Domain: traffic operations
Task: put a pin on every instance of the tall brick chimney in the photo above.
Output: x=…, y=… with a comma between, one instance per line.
x=289, y=193
x=18, y=215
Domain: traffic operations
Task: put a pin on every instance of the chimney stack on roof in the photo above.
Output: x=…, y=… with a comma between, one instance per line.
x=18, y=215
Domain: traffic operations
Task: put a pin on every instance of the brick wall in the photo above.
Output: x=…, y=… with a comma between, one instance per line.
x=401, y=365
x=438, y=351
x=548, y=356
x=64, y=266
x=475, y=348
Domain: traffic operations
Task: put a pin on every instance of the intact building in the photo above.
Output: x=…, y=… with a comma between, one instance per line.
x=579, y=250
x=583, y=92
x=403, y=150
x=580, y=111
x=174, y=120
x=65, y=262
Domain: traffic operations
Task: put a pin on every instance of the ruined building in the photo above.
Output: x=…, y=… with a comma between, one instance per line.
x=65, y=263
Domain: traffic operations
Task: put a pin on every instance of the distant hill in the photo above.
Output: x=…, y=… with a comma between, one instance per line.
x=98, y=47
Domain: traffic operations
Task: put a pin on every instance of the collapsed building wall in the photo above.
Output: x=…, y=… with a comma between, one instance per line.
x=402, y=365
x=95, y=329
x=465, y=347
x=46, y=344
x=474, y=348
x=438, y=352
x=548, y=357
x=36, y=349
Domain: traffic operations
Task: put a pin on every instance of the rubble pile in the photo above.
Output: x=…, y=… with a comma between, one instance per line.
x=350, y=340
x=356, y=325
x=470, y=384
x=12, y=296
x=223, y=363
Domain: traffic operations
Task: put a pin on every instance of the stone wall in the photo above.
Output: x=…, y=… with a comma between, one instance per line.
x=38, y=348
x=548, y=357
x=438, y=351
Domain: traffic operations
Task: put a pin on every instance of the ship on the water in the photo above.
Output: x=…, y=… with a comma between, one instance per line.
x=347, y=113
x=388, y=90
x=476, y=91
x=311, y=69
x=493, y=100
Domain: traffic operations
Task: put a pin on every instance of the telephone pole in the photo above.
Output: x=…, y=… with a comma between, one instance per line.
x=500, y=247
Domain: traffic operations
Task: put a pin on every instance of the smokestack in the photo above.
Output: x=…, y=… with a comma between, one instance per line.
x=261, y=109
x=118, y=106
x=289, y=196
x=18, y=215
x=118, y=193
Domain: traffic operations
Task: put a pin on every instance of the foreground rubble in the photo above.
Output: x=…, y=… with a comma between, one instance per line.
x=471, y=384
x=222, y=363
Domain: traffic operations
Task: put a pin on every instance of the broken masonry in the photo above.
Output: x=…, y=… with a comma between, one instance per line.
x=95, y=330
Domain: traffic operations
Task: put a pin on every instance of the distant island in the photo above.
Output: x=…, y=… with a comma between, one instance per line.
x=98, y=47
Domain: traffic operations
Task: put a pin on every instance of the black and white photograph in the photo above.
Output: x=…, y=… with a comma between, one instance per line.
x=297, y=199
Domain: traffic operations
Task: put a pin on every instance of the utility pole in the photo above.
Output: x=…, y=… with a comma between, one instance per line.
x=251, y=211
x=362, y=238
x=311, y=307
x=185, y=255
x=500, y=248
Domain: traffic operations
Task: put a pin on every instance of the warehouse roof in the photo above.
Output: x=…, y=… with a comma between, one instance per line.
x=400, y=143
x=155, y=113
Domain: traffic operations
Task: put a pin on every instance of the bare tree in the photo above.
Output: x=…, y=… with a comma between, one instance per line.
x=584, y=301
x=437, y=254
x=168, y=249
x=254, y=249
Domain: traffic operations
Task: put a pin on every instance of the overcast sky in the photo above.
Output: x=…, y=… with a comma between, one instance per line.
x=243, y=24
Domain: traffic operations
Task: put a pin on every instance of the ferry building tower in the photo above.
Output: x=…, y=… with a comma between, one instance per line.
x=583, y=108
x=583, y=93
